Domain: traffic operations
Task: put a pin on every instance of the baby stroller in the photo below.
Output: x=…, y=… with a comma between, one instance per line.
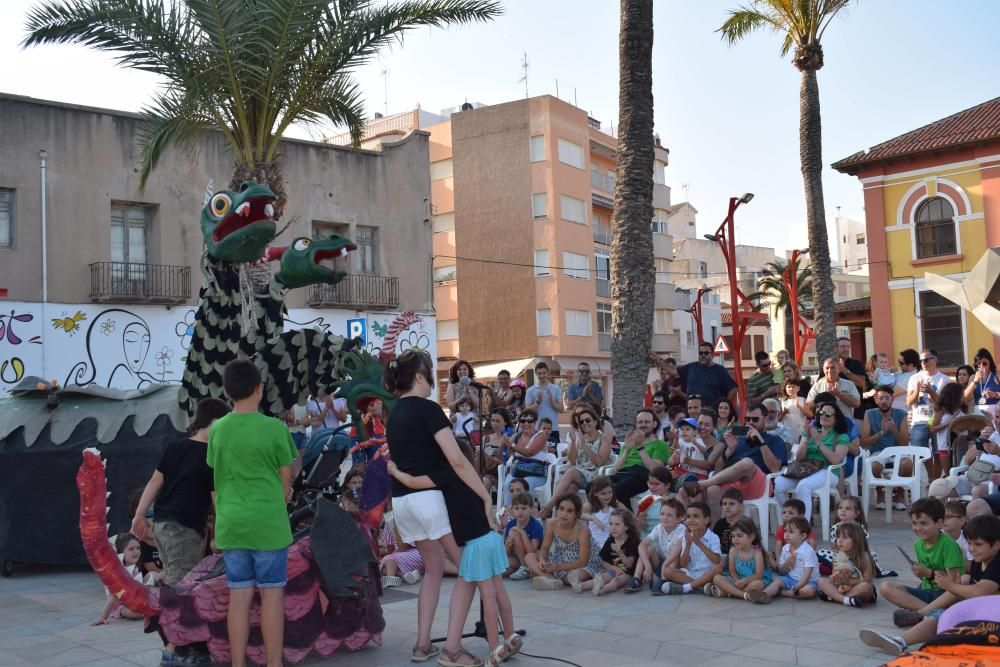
x=322, y=456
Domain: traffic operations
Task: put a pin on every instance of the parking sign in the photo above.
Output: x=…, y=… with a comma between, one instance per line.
x=357, y=328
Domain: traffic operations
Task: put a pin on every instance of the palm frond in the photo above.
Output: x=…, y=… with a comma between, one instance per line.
x=172, y=120
x=742, y=22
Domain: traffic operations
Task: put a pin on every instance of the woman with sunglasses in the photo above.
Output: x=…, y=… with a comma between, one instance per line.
x=589, y=449
x=824, y=444
x=528, y=444
x=983, y=389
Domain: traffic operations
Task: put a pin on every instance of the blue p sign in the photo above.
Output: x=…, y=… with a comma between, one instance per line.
x=356, y=329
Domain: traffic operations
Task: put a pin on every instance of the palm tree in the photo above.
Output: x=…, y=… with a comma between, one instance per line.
x=803, y=22
x=632, y=272
x=771, y=289
x=247, y=69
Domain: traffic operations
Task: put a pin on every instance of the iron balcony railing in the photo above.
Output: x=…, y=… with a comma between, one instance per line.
x=357, y=290
x=139, y=283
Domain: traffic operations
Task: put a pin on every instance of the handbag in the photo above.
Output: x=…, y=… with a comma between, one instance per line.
x=802, y=469
x=529, y=468
x=979, y=472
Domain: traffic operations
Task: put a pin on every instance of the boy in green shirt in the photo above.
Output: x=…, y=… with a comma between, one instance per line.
x=252, y=456
x=937, y=555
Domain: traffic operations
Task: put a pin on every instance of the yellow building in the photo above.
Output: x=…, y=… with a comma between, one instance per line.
x=932, y=203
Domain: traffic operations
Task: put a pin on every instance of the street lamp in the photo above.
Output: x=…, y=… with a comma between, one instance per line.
x=744, y=313
x=695, y=311
x=802, y=333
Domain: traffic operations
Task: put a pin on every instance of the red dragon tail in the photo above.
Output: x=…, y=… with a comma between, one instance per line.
x=94, y=533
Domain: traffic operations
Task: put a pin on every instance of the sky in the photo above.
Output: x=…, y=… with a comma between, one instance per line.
x=729, y=115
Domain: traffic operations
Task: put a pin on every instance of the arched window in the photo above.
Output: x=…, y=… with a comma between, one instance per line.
x=935, y=228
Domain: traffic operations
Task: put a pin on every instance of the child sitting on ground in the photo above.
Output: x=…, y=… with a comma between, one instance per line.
x=597, y=510
x=515, y=486
x=954, y=522
x=749, y=566
x=128, y=550
x=566, y=548
x=647, y=514
x=849, y=511
x=936, y=553
x=618, y=555
x=850, y=582
x=522, y=536
x=798, y=568
x=790, y=509
x=700, y=558
x=732, y=510
x=983, y=534
x=397, y=557
x=661, y=548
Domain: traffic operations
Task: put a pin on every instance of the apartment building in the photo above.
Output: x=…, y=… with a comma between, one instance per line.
x=522, y=199
x=123, y=265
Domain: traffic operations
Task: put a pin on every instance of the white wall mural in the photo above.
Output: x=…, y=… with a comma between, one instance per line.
x=126, y=347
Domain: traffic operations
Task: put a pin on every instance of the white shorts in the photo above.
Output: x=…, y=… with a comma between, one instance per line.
x=421, y=516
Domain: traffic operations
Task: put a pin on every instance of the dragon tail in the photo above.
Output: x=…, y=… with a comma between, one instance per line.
x=94, y=533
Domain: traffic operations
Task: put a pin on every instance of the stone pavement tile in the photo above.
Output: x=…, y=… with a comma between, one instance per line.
x=754, y=630
x=717, y=642
x=707, y=624
x=7, y=658
x=769, y=650
x=814, y=657
x=149, y=658
x=40, y=650
x=687, y=656
x=632, y=647
x=738, y=660
x=77, y=655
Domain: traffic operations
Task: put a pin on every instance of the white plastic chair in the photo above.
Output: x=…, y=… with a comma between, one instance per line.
x=543, y=493
x=895, y=455
x=958, y=470
x=824, y=492
x=764, y=506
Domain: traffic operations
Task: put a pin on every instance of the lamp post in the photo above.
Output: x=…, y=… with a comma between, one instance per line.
x=802, y=333
x=695, y=311
x=744, y=313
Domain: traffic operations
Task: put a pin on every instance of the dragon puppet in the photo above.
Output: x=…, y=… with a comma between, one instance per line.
x=333, y=582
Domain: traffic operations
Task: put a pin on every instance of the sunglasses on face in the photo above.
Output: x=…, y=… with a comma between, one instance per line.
x=927, y=359
x=583, y=371
x=754, y=419
x=658, y=403
x=526, y=421
x=704, y=353
x=827, y=414
x=585, y=420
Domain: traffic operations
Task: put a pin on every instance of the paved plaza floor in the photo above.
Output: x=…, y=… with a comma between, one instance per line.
x=45, y=614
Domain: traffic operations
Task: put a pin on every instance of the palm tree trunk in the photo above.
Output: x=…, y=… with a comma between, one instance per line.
x=270, y=174
x=811, y=155
x=632, y=272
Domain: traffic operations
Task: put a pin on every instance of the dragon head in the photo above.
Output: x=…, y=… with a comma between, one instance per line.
x=300, y=261
x=363, y=385
x=237, y=226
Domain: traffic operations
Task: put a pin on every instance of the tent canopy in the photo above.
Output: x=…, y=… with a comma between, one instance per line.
x=516, y=367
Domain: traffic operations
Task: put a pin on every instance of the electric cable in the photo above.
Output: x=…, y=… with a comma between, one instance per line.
x=546, y=657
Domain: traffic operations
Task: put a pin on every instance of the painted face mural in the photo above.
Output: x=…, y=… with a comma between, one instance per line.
x=135, y=345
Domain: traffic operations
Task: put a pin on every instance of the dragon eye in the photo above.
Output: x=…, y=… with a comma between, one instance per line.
x=302, y=244
x=220, y=204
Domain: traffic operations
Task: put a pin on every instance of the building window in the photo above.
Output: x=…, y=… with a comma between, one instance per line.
x=130, y=234
x=602, y=271
x=663, y=321
x=659, y=226
x=662, y=270
x=572, y=209
x=540, y=205
x=941, y=328
x=935, y=228
x=604, y=327
x=541, y=262
x=444, y=222
x=6, y=218
x=571, y=154
x=689, y=338
x=859, y=239
x=444, y=275
x=575, y=266
x=578, y=323
x=659, y=176
x=543, y=321
x=537, y=148
x=321, y=230
x=442, y=169
x=366, y=254
x=447, y=329
x=842, y=289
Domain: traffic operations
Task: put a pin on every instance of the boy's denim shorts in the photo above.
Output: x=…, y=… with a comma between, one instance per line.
x=246, y=568
x=925, y=595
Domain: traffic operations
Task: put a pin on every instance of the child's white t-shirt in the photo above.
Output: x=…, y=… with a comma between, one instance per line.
x=663, y=541
x=963, y=544
x=690, y=452
x=461, y=420
x=943, y=436
x=794, y=419
x=805, y=556
x=698, y=562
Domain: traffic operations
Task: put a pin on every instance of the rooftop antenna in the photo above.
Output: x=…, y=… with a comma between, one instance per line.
x=685, y=187
x=524, y=73
x=385, y=88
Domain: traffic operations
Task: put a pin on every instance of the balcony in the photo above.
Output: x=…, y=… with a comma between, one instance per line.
x=663, y=245
x=359, y=290
x=664, y=296
x=602, y=234
x=124, y=282
x=664, y=343
x=602, y=182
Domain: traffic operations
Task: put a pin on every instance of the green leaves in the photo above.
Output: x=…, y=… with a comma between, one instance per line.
x=247, y=68
x=801, y=22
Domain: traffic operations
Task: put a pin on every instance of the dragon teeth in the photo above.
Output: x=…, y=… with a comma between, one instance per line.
x=243, y=209
x=343, y=252
x=268, y=210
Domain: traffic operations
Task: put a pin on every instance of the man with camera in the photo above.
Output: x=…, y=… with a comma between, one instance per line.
x=983, y=461
x=751, y=453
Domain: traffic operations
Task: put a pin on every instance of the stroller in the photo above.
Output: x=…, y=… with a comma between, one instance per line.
x=322, y=457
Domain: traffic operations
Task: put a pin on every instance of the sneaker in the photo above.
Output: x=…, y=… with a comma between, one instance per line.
x=633, y=585
x=655, y=584
x=520, y=574
x=823, y=596
x=391, y=582
x=883, y=642
x=899, y=507
x=168, y=659
x=852, y=601
x=546, y=584
x=757, y=596
x=906, y=618
x=411, y=577
x=574, y=582
x=598, y=585
x=194, y=659
x=880, y=505
x=671, y=588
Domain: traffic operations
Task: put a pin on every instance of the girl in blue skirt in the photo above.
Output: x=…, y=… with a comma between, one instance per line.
x=484, y=559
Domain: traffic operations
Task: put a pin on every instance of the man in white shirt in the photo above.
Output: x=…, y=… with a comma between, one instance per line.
x=546, y=398
x=909, y=364
x=921, y=393
x=329, y=412
x=844, y=391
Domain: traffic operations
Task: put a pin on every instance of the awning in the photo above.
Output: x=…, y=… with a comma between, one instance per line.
x=490, y=371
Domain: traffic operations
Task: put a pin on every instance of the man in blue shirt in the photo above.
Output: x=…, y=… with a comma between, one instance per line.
x=748, y=460
x=585, y=391
x=546, y=398
x=885, y=426
x=707, y=378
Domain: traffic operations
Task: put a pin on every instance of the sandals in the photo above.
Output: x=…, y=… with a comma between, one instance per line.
x=514, y=644
x=449, y=659
x=757, y=596
x=711, y=590
x=429, y=651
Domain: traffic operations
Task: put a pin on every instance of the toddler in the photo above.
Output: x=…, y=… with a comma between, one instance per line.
x=597, y=510
x=464, y=419
x=732, y=510
x=522, y=536
x=660, y=548
x=397, y=557
x=791, y=508
x=947, y=407
x=566, y=548
x=749, y=566
x=618, y=555
x=689, y=460
x=798, y=568
x=700, y=558
x=793, y=407
x=849, y=511
x=128, y=548
x=850, y=582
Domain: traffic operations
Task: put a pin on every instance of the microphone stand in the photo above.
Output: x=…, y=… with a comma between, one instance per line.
x=480, y=628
